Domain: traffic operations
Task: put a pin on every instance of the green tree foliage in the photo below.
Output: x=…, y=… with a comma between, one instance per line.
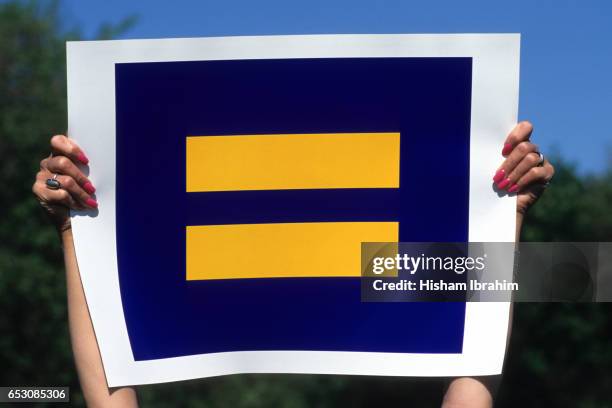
x=33, y=333
x=560, y=354
x=574, y=208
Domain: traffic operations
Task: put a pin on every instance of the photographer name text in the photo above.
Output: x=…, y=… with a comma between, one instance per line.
x=441, y=285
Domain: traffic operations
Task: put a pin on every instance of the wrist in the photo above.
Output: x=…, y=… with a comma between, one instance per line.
x=65, y=235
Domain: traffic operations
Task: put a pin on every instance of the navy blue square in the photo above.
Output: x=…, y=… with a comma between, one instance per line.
x=158, y=105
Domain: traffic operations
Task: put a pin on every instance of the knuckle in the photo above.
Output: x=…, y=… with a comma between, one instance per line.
x=534, y=172
x=57, y=140
x=41, y=177
x=523, y=148
x=533, y=158
x=526, y=126
x=62, y=162
x=538, y=172
x=69, y=182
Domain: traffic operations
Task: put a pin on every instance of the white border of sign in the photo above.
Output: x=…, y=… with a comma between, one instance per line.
x=91, y=113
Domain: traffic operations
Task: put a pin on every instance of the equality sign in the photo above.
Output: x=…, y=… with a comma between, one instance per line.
x=237, y=178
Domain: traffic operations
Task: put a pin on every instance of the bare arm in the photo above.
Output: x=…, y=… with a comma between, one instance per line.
x=76, y=191
x=475, y=392
x=84, y=345
x=523, y=173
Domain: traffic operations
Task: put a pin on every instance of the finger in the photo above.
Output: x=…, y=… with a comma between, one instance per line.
x=63, y=146
x=521, y=133
x=46, y=196
x=54, y=197
x=67, y=183
x=534, y=176
x=530, y=161
x=63, y=165
x=76, y=191
x=43, y=163
x=516, y=156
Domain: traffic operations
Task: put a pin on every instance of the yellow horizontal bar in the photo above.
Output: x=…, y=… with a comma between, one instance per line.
x=289, y=250
x=293, y=161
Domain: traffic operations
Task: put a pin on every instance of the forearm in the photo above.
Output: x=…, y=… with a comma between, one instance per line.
x=474, y=392
x=84, y=345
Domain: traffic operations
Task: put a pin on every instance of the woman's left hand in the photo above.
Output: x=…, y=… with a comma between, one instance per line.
x=525, y=171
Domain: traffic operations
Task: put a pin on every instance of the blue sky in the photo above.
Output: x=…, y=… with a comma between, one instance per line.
x=566, y=59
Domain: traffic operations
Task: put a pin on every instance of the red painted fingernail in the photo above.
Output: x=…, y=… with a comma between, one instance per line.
x=82, y=158
x=514, y=188
x=507, y=149
x=89, y=187
x=503, y=184
x=91, y=202
x=499, y=175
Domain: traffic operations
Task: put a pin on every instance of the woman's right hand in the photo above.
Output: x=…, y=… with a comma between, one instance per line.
x=75, y=189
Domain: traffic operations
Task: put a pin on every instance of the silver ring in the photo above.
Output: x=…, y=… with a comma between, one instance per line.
x=53, y=183
x=541, y=159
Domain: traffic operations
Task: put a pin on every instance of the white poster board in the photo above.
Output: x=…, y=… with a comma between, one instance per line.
x=93, y=124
